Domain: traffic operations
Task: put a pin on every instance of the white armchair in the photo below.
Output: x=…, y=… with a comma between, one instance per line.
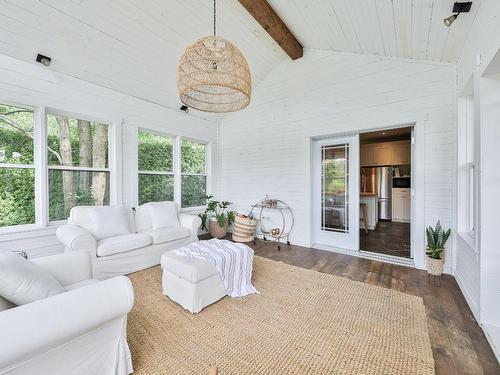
x=121, y=241
x=81, y=331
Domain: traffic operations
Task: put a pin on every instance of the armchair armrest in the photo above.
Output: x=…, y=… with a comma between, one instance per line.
x=67, y=268
x=76, y=238
x=44, y=325
x=191, y=222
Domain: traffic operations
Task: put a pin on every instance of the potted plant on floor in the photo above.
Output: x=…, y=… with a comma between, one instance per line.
x=436, y=239
x=217, y=217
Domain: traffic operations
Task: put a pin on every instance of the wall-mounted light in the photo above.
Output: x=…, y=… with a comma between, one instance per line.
x=44, y=60
x=458, y=7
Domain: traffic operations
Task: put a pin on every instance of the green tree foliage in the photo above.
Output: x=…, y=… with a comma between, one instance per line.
x=17, y=196
x=193, y=161
x=155, y=188
x=193, y=157
x=17, y=185
x=84, y=193
x=155, y=154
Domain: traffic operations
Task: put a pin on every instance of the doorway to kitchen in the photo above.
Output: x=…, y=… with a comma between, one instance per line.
x=386, y=192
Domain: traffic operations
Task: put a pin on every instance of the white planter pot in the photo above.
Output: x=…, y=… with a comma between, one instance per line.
x=434, y=266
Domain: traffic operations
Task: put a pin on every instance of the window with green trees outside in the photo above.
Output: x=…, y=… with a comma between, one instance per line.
x=78, y=170
x=156, y=167
x=17, y=169
x=193, y=173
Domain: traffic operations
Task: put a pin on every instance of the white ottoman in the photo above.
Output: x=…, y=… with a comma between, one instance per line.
x=192, y=283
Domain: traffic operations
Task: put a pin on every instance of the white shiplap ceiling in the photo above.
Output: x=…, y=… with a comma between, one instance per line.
x=396, y=28
x=133, y=46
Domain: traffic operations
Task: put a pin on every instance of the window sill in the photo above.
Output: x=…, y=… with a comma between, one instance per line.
x=469, y=238
x=190, y=210
x=26, y=231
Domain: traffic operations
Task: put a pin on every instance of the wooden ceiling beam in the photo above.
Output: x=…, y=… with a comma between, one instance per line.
x=275, y=27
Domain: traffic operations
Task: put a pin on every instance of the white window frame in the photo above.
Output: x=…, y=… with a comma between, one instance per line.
x=36, y=142
x=207, y=173
x=157, y=173
x=46, y=167
x=467, y=171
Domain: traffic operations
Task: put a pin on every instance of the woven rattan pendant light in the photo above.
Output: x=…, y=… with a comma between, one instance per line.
x=213, y=75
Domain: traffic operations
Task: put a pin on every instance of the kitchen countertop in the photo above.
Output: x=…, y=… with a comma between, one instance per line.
x=368, y=194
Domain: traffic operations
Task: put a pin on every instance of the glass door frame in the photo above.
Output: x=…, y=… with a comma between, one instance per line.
x=335, y=239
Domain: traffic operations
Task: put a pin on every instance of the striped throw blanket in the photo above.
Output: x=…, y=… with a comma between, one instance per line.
x=233, y=262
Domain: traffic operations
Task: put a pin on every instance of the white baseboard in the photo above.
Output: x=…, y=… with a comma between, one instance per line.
x=492, y=334
x=468, y=296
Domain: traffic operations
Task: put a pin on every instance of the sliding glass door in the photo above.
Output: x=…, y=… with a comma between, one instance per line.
x=336, y=192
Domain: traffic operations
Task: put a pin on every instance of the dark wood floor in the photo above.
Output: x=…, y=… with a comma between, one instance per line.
x=458, y=343
x=388, y=238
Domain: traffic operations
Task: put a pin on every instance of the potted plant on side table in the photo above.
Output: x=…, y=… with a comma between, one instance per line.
x=436, y=239
x=217, y=217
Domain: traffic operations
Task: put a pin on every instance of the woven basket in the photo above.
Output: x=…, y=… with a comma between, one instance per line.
x=434, y=266
x=244, y=229
x=216, y=230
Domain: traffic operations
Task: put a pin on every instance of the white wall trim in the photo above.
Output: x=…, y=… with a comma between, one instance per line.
x=468, y=296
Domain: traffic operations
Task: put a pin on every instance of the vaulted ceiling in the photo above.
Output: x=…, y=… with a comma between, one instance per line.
x=133, y=46
x=397, y=28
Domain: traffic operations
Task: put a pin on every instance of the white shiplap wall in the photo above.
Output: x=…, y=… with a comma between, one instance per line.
x=34, y=85
x=265, y=148
x=477, y=269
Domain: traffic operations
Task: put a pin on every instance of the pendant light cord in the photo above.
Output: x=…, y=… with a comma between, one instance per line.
x=215, y=30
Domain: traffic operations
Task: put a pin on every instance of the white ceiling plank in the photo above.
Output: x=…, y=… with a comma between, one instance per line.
x=402, y=20
x=341, y=8
x=421, y=15
x=385, y=16
x=363, y=15
x=438, y=32
x=458, y=33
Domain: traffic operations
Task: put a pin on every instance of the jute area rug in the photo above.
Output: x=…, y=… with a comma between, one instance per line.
x=302, y=322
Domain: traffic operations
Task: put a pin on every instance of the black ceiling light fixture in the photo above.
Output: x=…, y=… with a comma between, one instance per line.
x=44, y=60
x=458, y=7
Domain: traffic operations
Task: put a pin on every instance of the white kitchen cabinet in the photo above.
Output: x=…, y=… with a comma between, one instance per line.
x=401, y=205
x=366, y=155
x=385, y=153
x=402, y=153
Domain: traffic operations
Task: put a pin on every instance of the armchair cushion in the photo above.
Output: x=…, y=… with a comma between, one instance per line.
x=163, y=235
x=163, y=214
x=23, y=281
x=121, y=244
x=67, y=268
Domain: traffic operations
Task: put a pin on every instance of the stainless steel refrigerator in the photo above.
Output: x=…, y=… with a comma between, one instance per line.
x=378, y=180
